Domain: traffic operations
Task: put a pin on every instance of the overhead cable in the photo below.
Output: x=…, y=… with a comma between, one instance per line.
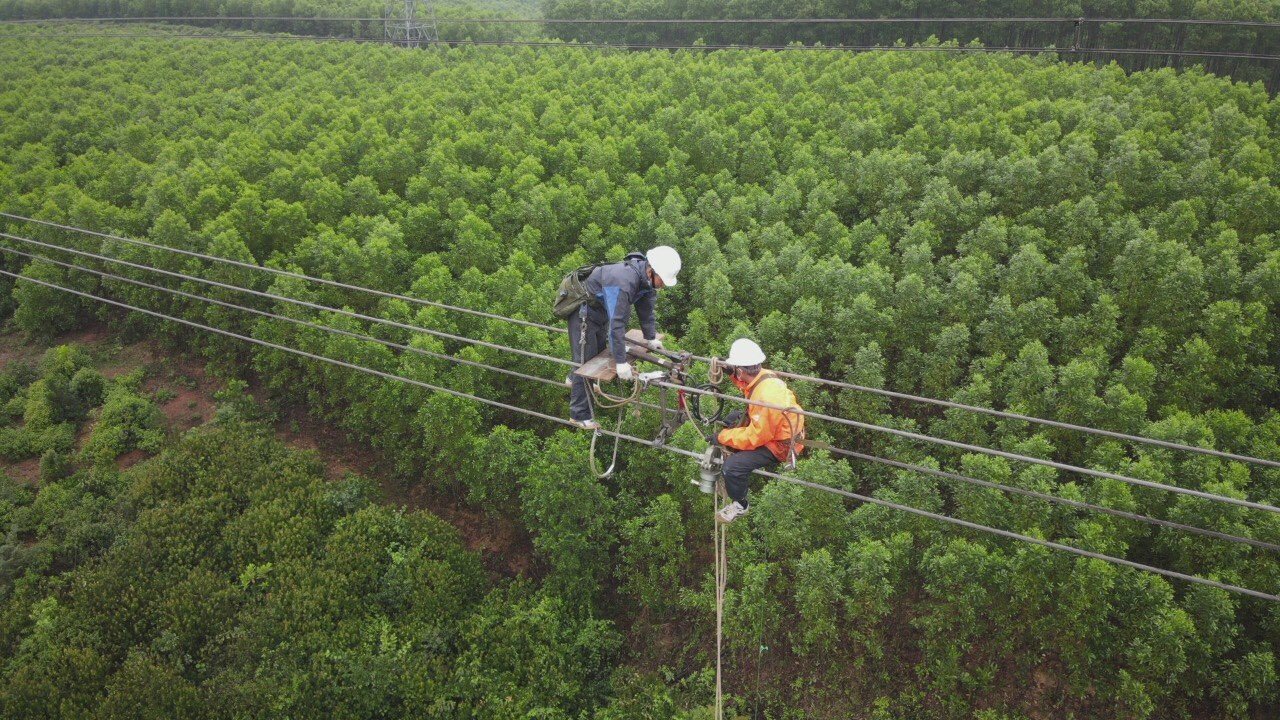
x=667, y=21
x=795, y=47
x=315, y=326
x=550, y=328
x=296, y=321
x=548, y=381
x=784, y=478
x=979, y=449
x=1027, y=50
x=282, y=273
x=1027, y=418
x=1055, y=499
x=698, y=391
x=1017, y=536
x=179, y=18
x=295, y=301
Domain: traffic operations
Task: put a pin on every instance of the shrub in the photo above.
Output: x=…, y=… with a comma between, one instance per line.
x=529, y=656
x=126, y=422
x=568, y=512
x=652, y=553
x=87, y=387
x=54, y=465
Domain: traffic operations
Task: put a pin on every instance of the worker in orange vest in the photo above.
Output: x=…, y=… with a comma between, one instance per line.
x=763, y=436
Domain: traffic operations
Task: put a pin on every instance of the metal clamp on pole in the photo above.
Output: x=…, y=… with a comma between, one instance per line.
x=709, y=470
x=648, y=377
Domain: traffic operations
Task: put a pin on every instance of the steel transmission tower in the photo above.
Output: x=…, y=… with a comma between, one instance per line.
x=411, y=23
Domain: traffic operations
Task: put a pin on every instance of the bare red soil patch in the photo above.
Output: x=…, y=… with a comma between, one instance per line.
x=189, y=390
x=131, y=458
x=504, y=549
x=26, y=471
x=186, y=397
x=339, y=454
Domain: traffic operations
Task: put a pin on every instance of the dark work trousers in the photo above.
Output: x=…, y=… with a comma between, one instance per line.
x=596, y=339
x=739, y=466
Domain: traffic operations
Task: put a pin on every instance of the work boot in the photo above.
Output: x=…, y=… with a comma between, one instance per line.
x=731, y=512
x=588, y=424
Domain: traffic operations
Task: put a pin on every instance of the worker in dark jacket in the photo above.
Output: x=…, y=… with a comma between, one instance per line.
x=615, y=289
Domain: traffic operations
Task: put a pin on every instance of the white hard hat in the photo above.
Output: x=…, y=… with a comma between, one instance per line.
x=744, y=353
x=665, y=262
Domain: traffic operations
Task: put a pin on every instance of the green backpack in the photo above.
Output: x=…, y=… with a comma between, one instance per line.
x=573, y=292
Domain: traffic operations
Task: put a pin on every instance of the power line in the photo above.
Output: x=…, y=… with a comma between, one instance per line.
x=176, y=18
x=198, y=36
x=699, y=391
x=956, y=49
x=283, y=348
x=524, y=376
x=303, y=303
x=687, y=453
x=1018, y=536
x=283, y=273
x=979, y=449
x=667, y=21
x=959, y=49
x=1027, y=418
x=865, y=21
x=526, y=323
x=1058, y=500
x=874, y=48
x=315, y=326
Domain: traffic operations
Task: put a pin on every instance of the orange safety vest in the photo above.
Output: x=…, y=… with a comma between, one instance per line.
x=768, y=427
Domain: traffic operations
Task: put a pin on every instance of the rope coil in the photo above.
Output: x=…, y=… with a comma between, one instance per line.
x=715, y=371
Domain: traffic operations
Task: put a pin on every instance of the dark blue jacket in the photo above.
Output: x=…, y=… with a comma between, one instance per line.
x=617, y=287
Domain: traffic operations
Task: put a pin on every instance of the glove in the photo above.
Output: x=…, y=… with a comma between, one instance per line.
x=733, y=419
x=655, y=344
x=625, y=372
x=713, y=438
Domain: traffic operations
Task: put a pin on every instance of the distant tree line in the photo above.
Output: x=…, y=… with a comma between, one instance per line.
x=1063, y=34
x=295, y=17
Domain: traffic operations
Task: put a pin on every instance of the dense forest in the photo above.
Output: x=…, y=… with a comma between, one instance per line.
x=227, y=578
x=1059, y=239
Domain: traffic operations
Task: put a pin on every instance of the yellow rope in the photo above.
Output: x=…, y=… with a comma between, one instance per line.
x=719, y=547
x=715, y=371
x=722, y=573
x=607, y=401
x=613, y=461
